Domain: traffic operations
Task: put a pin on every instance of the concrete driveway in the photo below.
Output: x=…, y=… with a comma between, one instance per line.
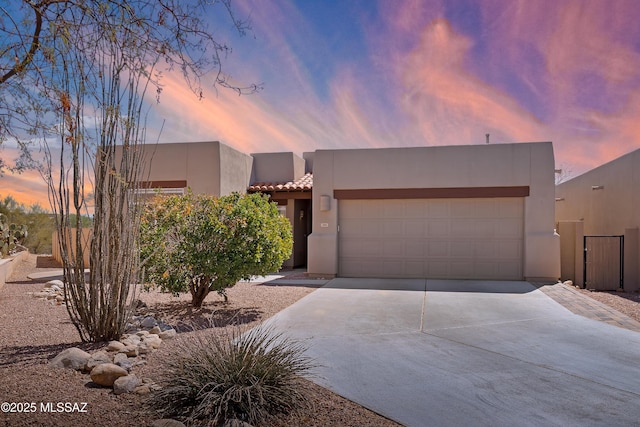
x=443, y=352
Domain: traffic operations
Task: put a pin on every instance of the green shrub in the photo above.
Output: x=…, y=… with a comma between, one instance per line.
x=199, y=243
x=216, y=377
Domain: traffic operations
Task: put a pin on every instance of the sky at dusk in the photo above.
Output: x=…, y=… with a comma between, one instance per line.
x=360, y=74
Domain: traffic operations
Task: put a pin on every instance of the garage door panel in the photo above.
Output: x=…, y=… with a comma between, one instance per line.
x=414, y=228
x=393, y=249
x=461, y=249
x=485, y=209
x=461, y=210
x=368, y=228
x=415, y=248
x=392, y=227
x=414, y=209
x=437, y=227
x=509, y=227
x=437, y=209
x=437, y=248
x=437, y=269
x=439, y=238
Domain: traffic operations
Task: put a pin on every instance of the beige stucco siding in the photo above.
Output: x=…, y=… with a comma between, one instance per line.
x=606, y=201
x=526, y=164
x=207, y=167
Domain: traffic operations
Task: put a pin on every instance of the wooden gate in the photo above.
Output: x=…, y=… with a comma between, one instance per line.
x=603, y=262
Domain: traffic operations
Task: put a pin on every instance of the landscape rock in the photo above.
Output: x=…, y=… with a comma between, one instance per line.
x=51, y=283
x=143, y=348
x=107, y=373
x=130, y=350
x=152, y=341
x=42, y=294
x=126, y=384
x=115, y=346
x=168, y=334
x=71, y=358
x=155, y=330
x=119, y=357
x=142, y=389
x=96, y=359
x=125, y=364
x=130, y=340
x=148, y=322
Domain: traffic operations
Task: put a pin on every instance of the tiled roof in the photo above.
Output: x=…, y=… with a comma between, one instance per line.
x=303, y=184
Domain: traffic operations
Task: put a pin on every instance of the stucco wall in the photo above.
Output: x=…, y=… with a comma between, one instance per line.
x=277, y=167
x=234, y=170
x=208, y=167
x=525, y=164
x=607, y=201
x=609, y=210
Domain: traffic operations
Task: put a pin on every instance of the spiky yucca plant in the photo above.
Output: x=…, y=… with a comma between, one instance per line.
x=216, y=377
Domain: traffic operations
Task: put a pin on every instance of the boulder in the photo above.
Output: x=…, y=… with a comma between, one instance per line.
x=168, y=334
x=71, y=358
x=57, y=283
x=126, y=384
x=119, y=357
x=142, y=389
x=155, y=330
x=148, y=322
x=107, y=373
x=115, y=346
x=96, y=359
x=130, y=340
x=130, y=350
x=125, y=363
x=152, y=341
x=143, y=348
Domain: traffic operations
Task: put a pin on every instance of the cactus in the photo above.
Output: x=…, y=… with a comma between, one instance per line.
x=11, y=235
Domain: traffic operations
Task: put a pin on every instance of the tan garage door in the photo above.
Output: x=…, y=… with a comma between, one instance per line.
x=433, y=238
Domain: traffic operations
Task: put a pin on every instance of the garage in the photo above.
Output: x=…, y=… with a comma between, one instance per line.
x=454, y=238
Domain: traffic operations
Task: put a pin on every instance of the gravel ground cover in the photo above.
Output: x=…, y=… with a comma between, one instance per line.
x=627, y=303
x=33, y=331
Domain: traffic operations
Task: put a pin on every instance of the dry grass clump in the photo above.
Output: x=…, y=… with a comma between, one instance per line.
x=251, y=377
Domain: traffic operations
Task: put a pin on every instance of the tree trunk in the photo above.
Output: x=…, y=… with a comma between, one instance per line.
x=199, y=291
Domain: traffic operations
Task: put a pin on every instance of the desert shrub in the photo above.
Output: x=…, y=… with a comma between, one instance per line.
x=200, y=243
x=216, y=377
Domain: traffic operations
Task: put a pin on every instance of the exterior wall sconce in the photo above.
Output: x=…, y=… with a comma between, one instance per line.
x=597, y=187
x=325, y=203
x=559, y=199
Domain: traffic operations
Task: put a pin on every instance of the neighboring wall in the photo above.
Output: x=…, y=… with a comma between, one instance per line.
x=524, y=164
x=606, y=201
x=71, y=244
x=8, y=264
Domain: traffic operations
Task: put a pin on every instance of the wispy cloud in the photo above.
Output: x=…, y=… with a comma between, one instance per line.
x=421, y=73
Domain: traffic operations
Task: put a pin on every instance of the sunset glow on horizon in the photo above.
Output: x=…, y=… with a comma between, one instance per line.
x=365, y=74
